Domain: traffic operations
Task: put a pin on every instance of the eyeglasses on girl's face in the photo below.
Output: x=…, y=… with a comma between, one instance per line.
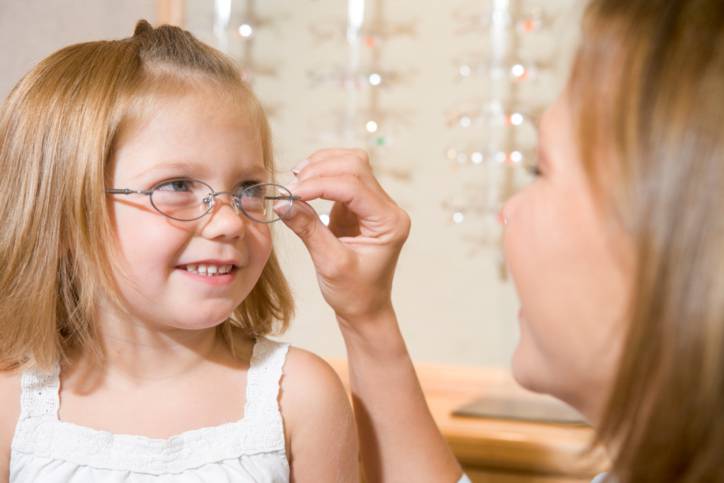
x=187, y=199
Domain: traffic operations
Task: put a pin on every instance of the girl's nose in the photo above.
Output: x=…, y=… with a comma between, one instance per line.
x=224, y=220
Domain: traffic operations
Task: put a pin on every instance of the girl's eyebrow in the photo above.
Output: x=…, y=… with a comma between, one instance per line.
x=167, y=166
x=254, y=170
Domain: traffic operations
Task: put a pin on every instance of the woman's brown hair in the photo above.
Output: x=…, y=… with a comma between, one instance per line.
x=57, y=133
x=648, y=95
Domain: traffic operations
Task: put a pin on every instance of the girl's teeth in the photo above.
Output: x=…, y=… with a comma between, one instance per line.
x=209, y=270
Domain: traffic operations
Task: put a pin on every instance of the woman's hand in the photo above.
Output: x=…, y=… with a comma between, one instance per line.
x=355, y=256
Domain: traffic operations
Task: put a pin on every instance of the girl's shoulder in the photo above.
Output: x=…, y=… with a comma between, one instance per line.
x=310, y=376
x=310, y=391
x=9, y=401
x=10, y=404
x=309, y=379
x=317, y=414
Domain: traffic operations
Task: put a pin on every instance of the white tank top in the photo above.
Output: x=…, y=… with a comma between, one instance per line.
x=45, y=449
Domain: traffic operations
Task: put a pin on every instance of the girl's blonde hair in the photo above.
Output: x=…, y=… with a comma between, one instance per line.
x=57, y=132
x=648, y=95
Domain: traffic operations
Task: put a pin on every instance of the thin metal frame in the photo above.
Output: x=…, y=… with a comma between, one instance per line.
x=212, y=195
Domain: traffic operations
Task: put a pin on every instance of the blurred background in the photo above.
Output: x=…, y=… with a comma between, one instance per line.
x=444, y=95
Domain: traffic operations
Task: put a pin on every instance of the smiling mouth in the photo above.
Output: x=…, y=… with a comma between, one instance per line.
x=209, y=270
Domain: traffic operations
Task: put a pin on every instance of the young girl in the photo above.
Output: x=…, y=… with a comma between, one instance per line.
x=138, y=279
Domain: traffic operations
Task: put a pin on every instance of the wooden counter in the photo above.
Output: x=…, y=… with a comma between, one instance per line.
x=497, y=450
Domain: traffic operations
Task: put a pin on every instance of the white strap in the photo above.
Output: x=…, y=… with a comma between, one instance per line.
x=39, y=393
x=464, y=479
x=262, y=386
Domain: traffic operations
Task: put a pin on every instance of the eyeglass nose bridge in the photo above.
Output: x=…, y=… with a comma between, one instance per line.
x=209, y=201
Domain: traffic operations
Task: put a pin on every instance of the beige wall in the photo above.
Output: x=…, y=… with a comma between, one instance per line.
x=32, y=29
x=452, y=304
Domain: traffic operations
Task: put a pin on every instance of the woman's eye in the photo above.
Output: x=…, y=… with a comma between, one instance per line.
x=175, y=185
x=535, y=170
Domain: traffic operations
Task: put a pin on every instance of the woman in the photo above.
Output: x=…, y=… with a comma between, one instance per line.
x=616, y=250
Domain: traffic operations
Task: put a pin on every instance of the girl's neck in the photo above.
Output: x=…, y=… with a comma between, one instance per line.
x=137, y=354
x=155, y=357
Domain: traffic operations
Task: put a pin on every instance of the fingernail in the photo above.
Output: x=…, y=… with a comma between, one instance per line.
x=284, y=209
x=298, y=168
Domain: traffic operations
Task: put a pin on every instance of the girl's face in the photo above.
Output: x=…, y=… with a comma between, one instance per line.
x=187, y=136
x=571, y=265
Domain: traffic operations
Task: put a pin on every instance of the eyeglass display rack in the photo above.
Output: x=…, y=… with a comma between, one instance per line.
x=506, y=79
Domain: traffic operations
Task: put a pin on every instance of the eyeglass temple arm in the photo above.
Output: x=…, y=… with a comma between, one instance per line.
x=126, y=191
x=292, y=197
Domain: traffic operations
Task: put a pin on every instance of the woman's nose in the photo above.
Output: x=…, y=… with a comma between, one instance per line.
x=507, y=211
x=502, y=219
x=503, y=215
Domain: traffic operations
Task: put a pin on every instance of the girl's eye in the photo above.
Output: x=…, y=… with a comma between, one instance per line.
x=176, y=185
x=256, y=190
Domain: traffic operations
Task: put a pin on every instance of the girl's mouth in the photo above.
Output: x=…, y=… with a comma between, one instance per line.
x=208, y=269
x=213, y=274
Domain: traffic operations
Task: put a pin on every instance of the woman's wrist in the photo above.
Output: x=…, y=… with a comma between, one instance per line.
x=375, y=334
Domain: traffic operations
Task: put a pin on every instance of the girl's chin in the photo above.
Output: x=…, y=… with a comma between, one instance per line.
x=199, y=319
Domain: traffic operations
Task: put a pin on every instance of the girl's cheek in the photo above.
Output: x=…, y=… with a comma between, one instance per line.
x=262, y=240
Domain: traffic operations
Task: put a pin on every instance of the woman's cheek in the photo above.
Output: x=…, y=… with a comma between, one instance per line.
x=513, y=218
x=524, y=246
